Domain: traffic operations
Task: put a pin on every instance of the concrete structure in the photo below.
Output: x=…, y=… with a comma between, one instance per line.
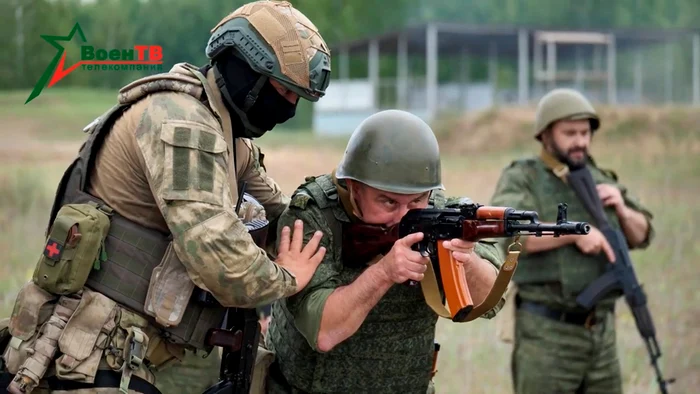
x=543, y=59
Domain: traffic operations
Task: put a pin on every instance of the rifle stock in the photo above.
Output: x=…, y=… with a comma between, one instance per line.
x=620, y=275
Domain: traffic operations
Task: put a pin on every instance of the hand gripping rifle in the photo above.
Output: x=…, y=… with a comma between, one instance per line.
x=620, y=275
x=240, y=336
x=471, y=222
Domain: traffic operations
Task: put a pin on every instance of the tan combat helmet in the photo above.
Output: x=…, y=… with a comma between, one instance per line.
x=277, y=41
x=563, y=104
x=394, y=151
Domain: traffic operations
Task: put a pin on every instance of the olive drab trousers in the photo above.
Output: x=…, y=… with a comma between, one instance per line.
x=552, y=357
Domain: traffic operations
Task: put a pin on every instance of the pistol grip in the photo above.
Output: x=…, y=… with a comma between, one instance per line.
x=424, y=248
x=454, y=283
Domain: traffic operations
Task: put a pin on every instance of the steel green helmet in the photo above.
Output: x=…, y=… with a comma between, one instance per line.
x=394, y=151
x=277, y=41
x=563, y=104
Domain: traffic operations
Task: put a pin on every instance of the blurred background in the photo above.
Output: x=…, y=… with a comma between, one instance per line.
x=473, y=69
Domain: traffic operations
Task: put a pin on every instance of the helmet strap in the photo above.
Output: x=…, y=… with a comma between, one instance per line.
x=252, y=96
x=347, y=199
x=250, y=99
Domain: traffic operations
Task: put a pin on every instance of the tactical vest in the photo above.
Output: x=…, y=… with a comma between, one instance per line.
x=132, y=251
x=567, y=266
x=392, y=351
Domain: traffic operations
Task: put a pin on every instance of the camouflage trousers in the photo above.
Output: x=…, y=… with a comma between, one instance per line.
x=192, y=376
x=552, y=357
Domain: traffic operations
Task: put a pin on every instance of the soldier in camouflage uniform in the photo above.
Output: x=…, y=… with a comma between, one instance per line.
x=165, y=166
x=357, y=328
x=558, y=346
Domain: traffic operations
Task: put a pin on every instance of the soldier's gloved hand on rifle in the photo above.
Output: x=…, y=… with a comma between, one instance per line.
x=301, y=262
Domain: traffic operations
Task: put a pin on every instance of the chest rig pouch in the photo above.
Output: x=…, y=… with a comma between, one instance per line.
x=138, y=267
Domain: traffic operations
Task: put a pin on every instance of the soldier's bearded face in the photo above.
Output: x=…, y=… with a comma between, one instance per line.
x=384, y=208
x=569, y=141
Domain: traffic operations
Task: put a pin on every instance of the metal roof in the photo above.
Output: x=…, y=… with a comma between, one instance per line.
x=477, y=39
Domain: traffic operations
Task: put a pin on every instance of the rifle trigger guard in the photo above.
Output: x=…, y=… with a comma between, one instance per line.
x=423, y=249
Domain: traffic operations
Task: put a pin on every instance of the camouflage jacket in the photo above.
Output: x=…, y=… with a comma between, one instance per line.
x=391, y=352
x=171, y=163
x=555, y=277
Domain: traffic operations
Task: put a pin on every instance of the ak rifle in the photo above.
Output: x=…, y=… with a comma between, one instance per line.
x=620, y=275
x=468, y=221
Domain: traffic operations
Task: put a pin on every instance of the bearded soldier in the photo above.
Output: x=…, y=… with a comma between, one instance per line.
x=558, y=346
x=145, y=248
x=357, y=328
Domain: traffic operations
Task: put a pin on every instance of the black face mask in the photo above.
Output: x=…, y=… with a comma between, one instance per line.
x=269, y=108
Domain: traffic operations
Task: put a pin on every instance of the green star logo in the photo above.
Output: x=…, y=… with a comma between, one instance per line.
x=138, y=58
x=55, y=70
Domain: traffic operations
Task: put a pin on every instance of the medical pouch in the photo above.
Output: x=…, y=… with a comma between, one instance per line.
x=74, y=247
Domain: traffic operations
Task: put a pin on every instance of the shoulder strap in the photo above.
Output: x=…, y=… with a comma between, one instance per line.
x=559, y=169
x=325, y=195
x=75, y=177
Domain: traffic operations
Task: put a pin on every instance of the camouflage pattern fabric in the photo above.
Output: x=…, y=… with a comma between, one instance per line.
x=187, y=169
x=192, y=376
x=393, y=349
x=551, y=356
x=198, y=371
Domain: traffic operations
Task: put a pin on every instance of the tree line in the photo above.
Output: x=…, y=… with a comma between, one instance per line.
x=182, y=27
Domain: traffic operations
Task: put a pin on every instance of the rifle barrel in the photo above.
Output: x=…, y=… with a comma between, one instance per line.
x=581, y=228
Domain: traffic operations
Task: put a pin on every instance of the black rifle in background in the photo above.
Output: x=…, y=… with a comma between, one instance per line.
x=620, y=274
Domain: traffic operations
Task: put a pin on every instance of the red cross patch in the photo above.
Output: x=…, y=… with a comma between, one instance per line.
x=53, y=250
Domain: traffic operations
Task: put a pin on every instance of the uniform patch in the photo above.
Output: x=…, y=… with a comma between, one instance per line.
x=300, y=200
x=53, y=250
x=194, y=162
x=181, y=159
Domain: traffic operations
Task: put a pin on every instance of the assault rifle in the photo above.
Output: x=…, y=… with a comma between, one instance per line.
x=240, y=336
x=471, y=222
x=620, y=275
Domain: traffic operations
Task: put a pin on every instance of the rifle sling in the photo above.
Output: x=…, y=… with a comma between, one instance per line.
x=559, y=169
x=431, y=291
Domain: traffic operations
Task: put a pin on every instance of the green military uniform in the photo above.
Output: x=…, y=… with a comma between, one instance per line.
x=393, y=349
x=392, y=352
x=576, y=350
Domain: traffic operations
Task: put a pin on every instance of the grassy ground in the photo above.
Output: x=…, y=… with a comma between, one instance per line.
x=655, y=152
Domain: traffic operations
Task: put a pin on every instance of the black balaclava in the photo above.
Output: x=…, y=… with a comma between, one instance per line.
x=254, y=104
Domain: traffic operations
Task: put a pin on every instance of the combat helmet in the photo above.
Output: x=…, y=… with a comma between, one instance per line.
x=394, y=151
x=563, y=104
x=277, y=41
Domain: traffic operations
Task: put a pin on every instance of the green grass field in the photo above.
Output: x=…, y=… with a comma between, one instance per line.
x=656, y=153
